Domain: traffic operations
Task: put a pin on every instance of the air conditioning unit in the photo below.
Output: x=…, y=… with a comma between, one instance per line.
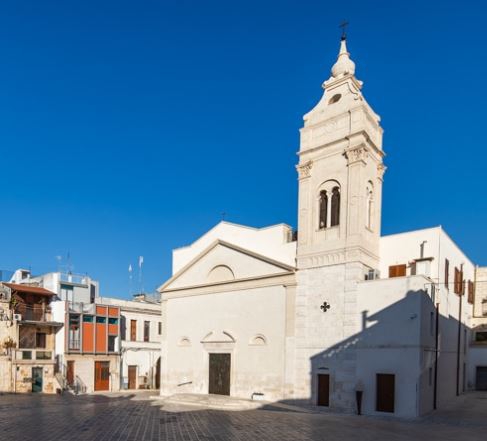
x=17, y=317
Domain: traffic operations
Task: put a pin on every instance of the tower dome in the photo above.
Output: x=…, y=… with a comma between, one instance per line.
x=344, y=65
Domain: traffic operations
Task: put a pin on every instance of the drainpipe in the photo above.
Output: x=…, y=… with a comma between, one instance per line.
x=459, y=338
x=437, y=334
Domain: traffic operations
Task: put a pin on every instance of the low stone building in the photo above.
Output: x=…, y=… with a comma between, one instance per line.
x=27, y=339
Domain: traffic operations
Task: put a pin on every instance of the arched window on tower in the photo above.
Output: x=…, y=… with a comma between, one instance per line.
x=323, y=208
x=369, y=218
x=335, y=207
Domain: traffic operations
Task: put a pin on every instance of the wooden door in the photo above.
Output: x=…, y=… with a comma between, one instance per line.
x=323, y=390
x=481, y=380
x=102, y=375
x=133, y=330
x=385, y=392
x=70, y=373
x=158, y=373
x=219, y=378
x=132, y=377
x=36, y=379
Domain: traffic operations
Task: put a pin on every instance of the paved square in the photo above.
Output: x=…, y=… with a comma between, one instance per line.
x=136, y=417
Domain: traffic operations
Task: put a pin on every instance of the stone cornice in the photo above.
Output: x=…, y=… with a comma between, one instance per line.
x=285, y=279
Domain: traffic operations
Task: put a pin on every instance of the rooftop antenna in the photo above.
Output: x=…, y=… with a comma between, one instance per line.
x=224, y=215
x=130, y=279
x=141, y=286
x=344, y=25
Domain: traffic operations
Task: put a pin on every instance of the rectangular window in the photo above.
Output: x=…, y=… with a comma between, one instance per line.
x=458, y=282
x=74, y=335
x=40, y=340
x=159, y=328
x=146, y=331
x=481, y=336
x=26, y=355
x=397, y=270
x=447, y=273
x=471, y=292
x=112, y=321
x=133, y=330
x=111, y=343
x=101, y=320
x=88, y=319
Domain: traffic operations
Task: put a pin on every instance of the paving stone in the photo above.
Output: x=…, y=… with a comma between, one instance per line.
x=137, y=417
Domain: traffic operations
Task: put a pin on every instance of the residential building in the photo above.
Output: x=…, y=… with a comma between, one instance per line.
x=338, y=316
x=27, y=339
x=88, y=351
x=140, y=341
x=478, y=345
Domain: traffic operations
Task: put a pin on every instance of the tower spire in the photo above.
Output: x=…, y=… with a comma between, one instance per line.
x=344, y=25
x=344, y=65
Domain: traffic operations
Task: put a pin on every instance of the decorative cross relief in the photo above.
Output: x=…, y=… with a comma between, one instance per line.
x=325, y=307
x=304, y=170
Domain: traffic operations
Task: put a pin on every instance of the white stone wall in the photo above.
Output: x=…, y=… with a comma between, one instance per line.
x=227, y=322
x=273, y=242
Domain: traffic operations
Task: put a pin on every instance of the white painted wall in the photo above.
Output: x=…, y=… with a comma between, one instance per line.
x=241, y=314
x=273, y=242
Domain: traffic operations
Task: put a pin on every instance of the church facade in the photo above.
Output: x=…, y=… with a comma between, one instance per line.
x=336, y=316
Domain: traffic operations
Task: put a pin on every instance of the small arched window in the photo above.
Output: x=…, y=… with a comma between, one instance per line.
x=335, y=98
x=323, y=208
x=335, y=207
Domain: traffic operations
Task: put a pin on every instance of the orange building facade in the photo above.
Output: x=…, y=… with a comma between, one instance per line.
x=92, y=347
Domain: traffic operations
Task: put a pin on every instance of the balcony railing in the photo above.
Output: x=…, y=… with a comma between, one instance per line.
x=85, y=308
x=33, y=313
x=79, y=279
x=73, y=344
x=34, y=354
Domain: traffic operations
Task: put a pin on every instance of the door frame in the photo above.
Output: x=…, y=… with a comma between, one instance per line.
x=318, y=389
x=68, y=364
x=477, y=383
x=94, y=376
x=41, y=370
x=393, y=392
x=230, y=376
x=128, y=376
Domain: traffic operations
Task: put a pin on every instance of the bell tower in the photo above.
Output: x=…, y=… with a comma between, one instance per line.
x=340, y=174
x=339, y=212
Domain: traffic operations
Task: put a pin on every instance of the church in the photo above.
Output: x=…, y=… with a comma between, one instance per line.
x=333, y=315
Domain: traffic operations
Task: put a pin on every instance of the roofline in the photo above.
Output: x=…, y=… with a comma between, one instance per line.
x=228, y=245
x=233, y=224
x=441, y=230
x=412, y=231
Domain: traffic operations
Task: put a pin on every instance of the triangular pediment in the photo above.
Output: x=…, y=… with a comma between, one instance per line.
x=218, y=337
x=223, y=262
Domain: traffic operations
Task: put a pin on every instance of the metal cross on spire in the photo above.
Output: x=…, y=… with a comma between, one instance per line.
x=344, y=25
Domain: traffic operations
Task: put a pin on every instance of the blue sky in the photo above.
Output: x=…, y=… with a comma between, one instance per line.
x=128, y=127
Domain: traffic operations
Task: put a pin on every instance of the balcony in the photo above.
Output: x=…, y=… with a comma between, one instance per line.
x=34, y=354
x=85, y=308
x=33, y=313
